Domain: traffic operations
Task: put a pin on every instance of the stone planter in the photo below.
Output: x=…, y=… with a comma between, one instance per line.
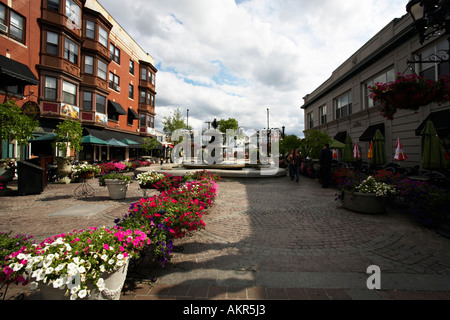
x=64, y=168
x=114, y=282
x=117, y=188
x=364, y=203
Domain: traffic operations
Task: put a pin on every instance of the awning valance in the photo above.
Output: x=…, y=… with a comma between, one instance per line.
x=340, y=136
x=370, y=132
x=133, y=113
x=441, y=121
x=106, y=135
x=114, y=107
x=15, y=73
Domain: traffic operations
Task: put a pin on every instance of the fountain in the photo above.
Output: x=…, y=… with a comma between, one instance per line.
x=224, y=155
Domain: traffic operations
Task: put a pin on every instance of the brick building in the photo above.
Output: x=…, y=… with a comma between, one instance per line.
x=80, y=64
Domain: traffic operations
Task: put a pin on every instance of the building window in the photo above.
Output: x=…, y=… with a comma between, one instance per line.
x=73, y=12
x=89, y=64
x=50, y=88
x=383, y=77
x=90, y=29
x=153, y=79
x=130, y=118
x=114, y=81
x=71, y=51
x=102, y=69
x=344, y=105
x=151, y=99
x=132, y=67
x=17, y=27
x=144, y=74
x=87, y=101
x=69, y=93
x=114, y=53
x=310, y=120
x=100, y=104
x=142, y=121
x=150, y=121
x=52, y=43
x=53, y=5
x=323, y=114
x=131, y=91
x=433, y=71
x=2, y=14
x=103, y=36
x=143, y=97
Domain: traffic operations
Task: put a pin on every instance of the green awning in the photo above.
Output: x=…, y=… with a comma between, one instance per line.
x=90, y=139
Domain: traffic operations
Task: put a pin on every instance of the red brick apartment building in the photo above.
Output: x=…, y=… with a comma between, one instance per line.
x=70, y=58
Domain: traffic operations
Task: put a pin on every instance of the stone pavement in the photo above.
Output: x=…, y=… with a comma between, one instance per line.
x=265, y=239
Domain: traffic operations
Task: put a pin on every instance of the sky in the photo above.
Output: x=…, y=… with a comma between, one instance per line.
x=226, y=59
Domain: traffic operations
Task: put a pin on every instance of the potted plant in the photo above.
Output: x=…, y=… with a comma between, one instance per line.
x=148, y=179
x=369, y=197
x=86, y=264
x=69, y=134
x=85, y=171
x=11, y=246
x=117, y=184
x=408, y=92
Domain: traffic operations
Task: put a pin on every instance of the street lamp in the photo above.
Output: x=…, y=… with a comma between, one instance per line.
x=430, y=17
x=187, y=121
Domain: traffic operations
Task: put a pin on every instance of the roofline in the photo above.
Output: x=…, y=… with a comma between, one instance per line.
x=398, y=39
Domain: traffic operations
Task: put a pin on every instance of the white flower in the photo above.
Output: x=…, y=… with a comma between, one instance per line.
x=16, y=266
x=21, y=256
x=58, y=283
x=49, y=270
x=101, y=284
x=111, y=261
x=73, y=296
x=81, y=269
x=82, y=293
x=104, y=257
x=59, y=267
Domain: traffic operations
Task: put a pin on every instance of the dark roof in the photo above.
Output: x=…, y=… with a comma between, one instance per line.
x=15, y=73
x=109, y=134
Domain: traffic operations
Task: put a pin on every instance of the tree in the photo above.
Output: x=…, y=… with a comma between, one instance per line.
x=14, y=125
x=313, y=143
x=231, y=123
x=69, y=133
x=150, y=144
x=174, y=122
x=290, y=142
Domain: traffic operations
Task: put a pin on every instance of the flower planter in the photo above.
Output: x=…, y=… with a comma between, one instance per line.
x=87, y=175
x=64, y=168
x=411, y=101
x=364, y=202
x=114, y=282
x=117, y=188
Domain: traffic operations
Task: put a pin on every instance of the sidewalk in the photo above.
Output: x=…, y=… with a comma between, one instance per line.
x=264, y=239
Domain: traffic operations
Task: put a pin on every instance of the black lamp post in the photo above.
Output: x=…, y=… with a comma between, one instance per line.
x=431, y=17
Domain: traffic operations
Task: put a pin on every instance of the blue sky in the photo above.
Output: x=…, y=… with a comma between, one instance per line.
x=236, y=58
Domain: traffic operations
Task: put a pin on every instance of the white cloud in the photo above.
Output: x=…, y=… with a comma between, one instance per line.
x=222, y=59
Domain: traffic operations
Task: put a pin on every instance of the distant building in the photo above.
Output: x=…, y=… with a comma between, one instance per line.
x=341, y=106
x=87, y=68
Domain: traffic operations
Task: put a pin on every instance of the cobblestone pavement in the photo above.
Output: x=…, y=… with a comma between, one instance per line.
x=264, y=239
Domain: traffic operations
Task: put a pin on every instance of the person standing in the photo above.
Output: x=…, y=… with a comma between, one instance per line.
x=290, y=161
x=297, y=164
x=325, y=159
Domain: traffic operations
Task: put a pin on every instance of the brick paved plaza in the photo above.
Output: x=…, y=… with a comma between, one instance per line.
x=264, y=239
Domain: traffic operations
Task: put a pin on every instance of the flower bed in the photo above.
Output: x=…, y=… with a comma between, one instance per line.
x=75, y=262
x=426, y=203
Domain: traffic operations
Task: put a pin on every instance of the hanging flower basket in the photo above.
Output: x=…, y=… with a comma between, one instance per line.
x=408, y=92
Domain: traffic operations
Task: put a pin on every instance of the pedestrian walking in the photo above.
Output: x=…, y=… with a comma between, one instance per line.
x=297, y=164
x=325, y=159
x=290, y=161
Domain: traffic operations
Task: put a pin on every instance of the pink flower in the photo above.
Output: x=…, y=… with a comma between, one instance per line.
x=105, y=246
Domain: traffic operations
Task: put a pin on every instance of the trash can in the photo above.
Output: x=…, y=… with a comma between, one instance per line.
x=30, y=178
